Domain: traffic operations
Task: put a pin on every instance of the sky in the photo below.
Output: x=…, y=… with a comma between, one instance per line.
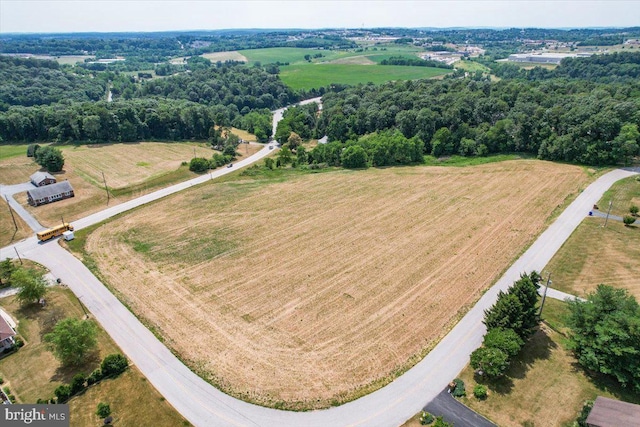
x=36, y=16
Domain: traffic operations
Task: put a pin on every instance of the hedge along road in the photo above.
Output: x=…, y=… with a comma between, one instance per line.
x=204, y=405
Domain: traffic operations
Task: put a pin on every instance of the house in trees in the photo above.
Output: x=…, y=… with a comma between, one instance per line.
x=613, y=413
x=6, y=333
x=40, y=179
x=50, y=193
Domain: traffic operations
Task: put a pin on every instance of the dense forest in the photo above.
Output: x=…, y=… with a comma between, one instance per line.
x=124, y=121
x=33, y=82
x=584, y=111
x=557, y=119
x=180, y=107
x=227, y=84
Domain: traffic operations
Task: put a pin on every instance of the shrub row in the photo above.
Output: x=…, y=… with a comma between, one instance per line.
x=510, y=321
x=111, y=366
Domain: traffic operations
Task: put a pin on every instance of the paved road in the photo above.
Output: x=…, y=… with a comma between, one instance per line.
x=559, y=295
x=123, y=207
x=7, y=191
x=455, y=412
x=203, y=405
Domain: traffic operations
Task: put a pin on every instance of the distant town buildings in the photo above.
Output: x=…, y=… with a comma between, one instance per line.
x=546, y=57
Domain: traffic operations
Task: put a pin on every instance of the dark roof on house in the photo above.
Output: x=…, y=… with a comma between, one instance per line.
x=6, y=331
x=613, y=413
x=50, y=190
x=40, y=176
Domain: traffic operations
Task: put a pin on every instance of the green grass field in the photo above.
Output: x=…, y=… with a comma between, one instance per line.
x=471, y=66
x=294, y=55
x=291, y=55
x=8, y=151
x=622, y=195
x=309, y=76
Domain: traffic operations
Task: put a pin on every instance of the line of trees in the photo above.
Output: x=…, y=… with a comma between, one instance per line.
x=557, y=119
x=414, y=62
x=111, y=366
x=510, y=322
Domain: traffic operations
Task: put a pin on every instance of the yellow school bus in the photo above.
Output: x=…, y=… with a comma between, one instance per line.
x=54, y=232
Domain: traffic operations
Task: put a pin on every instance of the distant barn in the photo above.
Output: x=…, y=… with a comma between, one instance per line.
x=50, y=193
x=40, y=179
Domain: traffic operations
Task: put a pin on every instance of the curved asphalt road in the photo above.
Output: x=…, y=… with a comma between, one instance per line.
x=7, y=192
x=204, y=405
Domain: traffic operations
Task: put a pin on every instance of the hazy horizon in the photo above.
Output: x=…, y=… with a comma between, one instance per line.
x=112, y=16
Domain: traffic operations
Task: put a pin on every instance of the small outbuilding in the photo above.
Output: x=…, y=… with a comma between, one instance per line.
x=613, y=413
x=50, y=193
x=40, y=179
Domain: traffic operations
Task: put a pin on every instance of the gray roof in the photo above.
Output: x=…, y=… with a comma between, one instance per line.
x=6, y=331
x=50, y=190
x=613, y=413
x=40, y=176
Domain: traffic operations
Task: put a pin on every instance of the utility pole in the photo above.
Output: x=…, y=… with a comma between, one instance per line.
x=608, y=212
x=14, y=248
x=544, y=295
x=105, y=187
x=86, y=315
x=11, y=212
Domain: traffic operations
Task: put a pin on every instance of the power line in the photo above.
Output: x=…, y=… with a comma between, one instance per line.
x=105, y=187
x=11, y=212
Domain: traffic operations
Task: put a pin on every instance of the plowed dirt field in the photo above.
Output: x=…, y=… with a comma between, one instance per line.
x=309, y=291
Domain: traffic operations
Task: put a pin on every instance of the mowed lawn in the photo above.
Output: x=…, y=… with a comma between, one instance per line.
x=622, y=195
x=34, y=373
x=312, y=290
x=595, y=255
x=310, y=76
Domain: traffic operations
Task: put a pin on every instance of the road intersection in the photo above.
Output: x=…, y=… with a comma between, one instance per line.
x=204, y=405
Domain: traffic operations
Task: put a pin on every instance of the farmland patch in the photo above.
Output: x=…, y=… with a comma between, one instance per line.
x=318, y=288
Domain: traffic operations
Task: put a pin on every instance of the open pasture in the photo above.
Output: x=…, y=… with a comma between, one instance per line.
x=314, y=289
x=15, y=166
x=225, y=56
x=130, y=170
x=292, y=55
x=309, y=76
